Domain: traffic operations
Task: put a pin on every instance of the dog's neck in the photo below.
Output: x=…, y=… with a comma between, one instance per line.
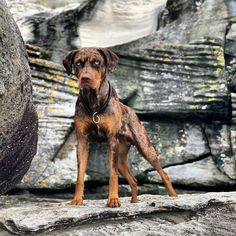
x=95, y=98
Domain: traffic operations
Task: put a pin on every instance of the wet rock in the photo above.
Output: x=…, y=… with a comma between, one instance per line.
x=203, y=214
x=198, y=173
x=18, y=119
x=178, y=142
x=229, y=163
x=180, y=69
x=177, y=8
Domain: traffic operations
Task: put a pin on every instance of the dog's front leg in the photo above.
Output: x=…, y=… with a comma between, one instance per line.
x=82, y=159
x=113, y=197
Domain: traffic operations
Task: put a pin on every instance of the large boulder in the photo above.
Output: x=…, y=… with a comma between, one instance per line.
x=18, y=119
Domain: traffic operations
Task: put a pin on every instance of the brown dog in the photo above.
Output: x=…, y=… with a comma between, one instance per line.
x=100, y=114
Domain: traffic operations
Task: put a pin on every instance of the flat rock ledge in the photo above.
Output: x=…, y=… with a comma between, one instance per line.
x=189, y=214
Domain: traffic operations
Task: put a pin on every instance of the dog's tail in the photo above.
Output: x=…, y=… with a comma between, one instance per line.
x=146, y=149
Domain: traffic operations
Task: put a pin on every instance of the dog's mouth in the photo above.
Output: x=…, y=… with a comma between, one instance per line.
x=87, y=85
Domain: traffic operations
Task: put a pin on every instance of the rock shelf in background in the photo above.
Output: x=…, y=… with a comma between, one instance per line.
x=177, y=81
x=201, y=214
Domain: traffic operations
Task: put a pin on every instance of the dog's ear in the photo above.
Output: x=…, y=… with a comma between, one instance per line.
x=68, y=61
x=111, y=59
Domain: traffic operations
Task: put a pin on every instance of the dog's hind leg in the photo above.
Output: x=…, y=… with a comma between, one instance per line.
x=146, y=149
x=123, y=168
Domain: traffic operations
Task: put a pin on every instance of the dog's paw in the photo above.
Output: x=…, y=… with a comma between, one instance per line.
x=134, y=200
x=113, y=202
x=77, y=201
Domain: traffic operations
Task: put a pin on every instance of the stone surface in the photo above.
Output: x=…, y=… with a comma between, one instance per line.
x=221, y=143
x=55, y=95
x=177, y=81
x=195, y=21
x=62, y=26
x=180, y=68
x=176, y=142
x=231, y=40
x=18, y=119
x=51, y=26
x=200, y=214
x=199, y=173
x=230, y=162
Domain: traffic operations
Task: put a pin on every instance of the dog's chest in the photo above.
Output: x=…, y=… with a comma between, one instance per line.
x=98, y=133
x=107, y=125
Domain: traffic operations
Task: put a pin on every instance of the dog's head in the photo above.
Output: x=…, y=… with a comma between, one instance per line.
x=90, y=65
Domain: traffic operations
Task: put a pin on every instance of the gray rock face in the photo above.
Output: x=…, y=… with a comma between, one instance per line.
x=221, y=139
x=62, y=26
x=55, y=95
x=198, y=173
x=201, y=214
x=18, y=119
x=175, y=142
x=195, y=21
x=230, y=40
x=51, y=25
x=177, y=81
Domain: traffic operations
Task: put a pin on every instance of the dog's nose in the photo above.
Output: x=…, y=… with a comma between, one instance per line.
x=85, y=78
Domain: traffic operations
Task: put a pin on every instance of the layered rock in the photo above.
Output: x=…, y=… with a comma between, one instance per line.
x=18, y=119
x=55, y=95
x=195, y=21
x=177, y=81
x=51, y=26
x=183, y=65
x=201, y=214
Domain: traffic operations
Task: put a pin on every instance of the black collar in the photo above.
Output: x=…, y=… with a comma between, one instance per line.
x=102, y=108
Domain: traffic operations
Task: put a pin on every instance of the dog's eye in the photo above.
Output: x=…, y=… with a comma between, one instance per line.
x=96, y=63
x=78, y=64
